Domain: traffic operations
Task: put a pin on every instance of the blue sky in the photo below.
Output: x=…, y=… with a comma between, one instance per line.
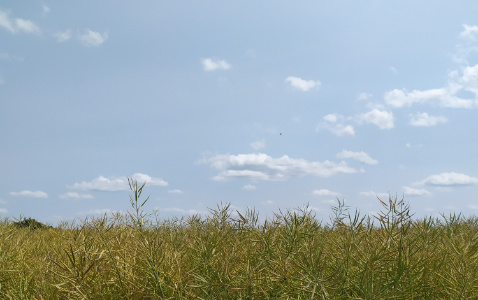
x=264, y=104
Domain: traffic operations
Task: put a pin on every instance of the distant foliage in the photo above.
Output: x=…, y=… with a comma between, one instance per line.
x=30, y=223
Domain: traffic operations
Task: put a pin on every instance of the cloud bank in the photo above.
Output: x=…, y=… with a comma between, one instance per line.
x=450, y=179
x=259, y=166
x=30, y=194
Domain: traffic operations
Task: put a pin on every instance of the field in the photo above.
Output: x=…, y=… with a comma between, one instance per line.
x=292, y=256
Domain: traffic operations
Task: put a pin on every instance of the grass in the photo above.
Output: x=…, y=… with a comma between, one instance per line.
x=291, y=256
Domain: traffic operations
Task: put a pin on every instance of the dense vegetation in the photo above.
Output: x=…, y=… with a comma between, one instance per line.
x=292, y=256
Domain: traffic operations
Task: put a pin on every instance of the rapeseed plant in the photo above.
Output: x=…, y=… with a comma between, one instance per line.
x=234, y=256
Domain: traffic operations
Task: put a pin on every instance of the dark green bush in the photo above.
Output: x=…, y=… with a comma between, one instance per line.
x=30, y=223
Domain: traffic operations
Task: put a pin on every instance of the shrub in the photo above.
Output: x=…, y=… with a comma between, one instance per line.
x=30, y=223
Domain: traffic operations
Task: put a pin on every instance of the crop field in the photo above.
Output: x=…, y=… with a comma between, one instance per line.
x=233, y=256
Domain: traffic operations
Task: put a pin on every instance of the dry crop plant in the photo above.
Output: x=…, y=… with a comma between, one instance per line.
x=233, y=256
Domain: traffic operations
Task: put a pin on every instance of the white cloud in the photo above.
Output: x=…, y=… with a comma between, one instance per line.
x=393, y=69
x=175, y=191
x=332, y=118
x=249, y=187
x=63, y=36
x=29, y=194
x=257, y=145
x=5, y=22
x=408, y=191
x=74, y=195
x=17, y=24
x=3, y=211
x=331, y=124
x=92, y=38
x=26, y=26
x=360, y=156
x=342, y=130
x=116, y=184
x=382, y=119
x=260, y=166
x=445, y=97
x=325, y=192
x=301, y=84
x=469, y=32
x=373, y=194
x=211, y=65
x=142, y=178
x=102, y=184
x=450, y=179
x=469, y=80
x=424, y=120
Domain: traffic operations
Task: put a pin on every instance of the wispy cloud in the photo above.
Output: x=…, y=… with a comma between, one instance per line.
x=175, y=192
x=257, y=145
x=364, y=96
x=249, y=187
x=116, y=184
x=8, y=57
x=259, y=166
x=30, y=194
x=181, y=211
x=325, y=192
x=463, y=79
x=449, y=179
x=373, y=194
x=210, y=64
x=63, y=36
x=447, y=96
x=469, y=32
x=333, y=123
x=408, y=191
x=15, y=25
x=360, y=156
x=45, y=8
x=425, y=120
x=382, y=119
x=92, y=38
x=74, y=195
x=444, y=97
x=301, y=84
x=469, y=79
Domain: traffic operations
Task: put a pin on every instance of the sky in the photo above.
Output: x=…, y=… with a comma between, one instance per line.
x=271, y=105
